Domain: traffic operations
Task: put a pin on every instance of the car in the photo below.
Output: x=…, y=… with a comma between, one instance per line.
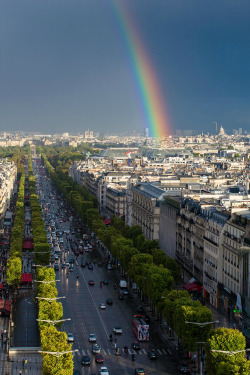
x=72, y=260
x=120, y=297
x=70, y=337
x=96, y=349
x=90, y=267
x=92, y=337
x=152, y=354
x=103, y=371
x=71, y=268
x=102, y=306
x=109, y=301
x=91, y=282
x=56, y=267
x=99, y=358
x=136, y=346
x=105, y=282
x=85, y=361
x=117, y=330
x=140, y=309
x=140, y=371
x=63, y=265
x=67, y=264
x=125, y=292
x=109, y=267
x=82, y=264
x=183, y=368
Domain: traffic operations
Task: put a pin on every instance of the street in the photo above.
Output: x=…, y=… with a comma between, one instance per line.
x=82, y=302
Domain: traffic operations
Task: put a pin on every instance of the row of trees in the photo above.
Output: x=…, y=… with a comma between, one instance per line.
x=41, y=246
x=14, y=264
x=52, y=340
x=77, y=196
x=155, y=273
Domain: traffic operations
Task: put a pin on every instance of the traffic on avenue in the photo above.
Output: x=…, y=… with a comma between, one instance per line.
x=103, y=319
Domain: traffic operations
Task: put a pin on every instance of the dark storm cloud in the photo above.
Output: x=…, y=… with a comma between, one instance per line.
x=63, y=65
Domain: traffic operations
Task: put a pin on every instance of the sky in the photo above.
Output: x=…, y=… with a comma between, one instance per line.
x=65, y=65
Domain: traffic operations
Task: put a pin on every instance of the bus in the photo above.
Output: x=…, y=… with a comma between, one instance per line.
x=140, y=328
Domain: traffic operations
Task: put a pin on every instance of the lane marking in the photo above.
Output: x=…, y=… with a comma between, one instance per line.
x=159, y=351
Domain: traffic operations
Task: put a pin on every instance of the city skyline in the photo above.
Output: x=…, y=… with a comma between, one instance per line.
x=65, y=66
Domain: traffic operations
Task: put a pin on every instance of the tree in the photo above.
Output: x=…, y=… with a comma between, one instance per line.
x=239, y=368
x=14, y=271
x=54, y=341
x=50, y=311
x=224, y=339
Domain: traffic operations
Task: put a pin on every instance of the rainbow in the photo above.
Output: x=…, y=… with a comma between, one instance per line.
x=153, y=107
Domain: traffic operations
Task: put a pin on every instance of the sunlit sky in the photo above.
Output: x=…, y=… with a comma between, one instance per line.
x=64, y=65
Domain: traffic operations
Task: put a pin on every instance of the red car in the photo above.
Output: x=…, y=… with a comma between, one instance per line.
x=91, y=282
x=99, y=358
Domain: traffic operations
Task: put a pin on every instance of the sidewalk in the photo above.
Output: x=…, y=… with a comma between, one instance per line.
x=15, y=365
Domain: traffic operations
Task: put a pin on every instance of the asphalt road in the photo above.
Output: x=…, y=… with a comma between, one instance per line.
x=26, y=330
x=82, y=306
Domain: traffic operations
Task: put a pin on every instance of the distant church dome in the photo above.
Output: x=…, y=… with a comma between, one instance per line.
x=222, y=131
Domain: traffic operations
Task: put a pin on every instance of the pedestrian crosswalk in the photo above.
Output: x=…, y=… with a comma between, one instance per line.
x=108, y=351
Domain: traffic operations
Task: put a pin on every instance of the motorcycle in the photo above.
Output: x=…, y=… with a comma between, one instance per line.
x=133, y=357
x=117, y=352
x=125, y=349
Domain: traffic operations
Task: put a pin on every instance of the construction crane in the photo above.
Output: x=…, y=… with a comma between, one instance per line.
x=215, y=126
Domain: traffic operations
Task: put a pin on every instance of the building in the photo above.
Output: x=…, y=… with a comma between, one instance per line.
x=146, y=199
x=169, y=209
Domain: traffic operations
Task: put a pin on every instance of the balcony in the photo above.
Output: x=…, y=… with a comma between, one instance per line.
x=211, y=241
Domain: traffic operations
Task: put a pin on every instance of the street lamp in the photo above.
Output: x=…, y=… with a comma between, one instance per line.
x=46, y=282
x=229, y=352
x=58, y=354
x=53, y=322
x=50, y=299
x=39, y=265
x=202, y=325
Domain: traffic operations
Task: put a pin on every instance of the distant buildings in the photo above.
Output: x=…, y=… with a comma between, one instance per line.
x=8, y=174
x=196, y=203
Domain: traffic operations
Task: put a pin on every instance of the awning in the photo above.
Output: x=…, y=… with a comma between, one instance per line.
x=107, y=221
x=28, y=245
x=7, y=305
x=193, y=287
x=3, y=243
x=26, y=278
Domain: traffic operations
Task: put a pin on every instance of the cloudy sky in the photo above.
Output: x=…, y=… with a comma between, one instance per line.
x=64, y=65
